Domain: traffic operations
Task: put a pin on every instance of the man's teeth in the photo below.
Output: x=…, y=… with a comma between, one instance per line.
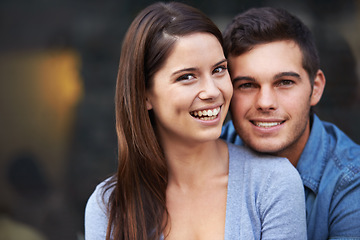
x=267, y=124
x=208, y=114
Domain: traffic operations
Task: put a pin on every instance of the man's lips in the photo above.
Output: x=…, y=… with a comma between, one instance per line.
x=267, y=124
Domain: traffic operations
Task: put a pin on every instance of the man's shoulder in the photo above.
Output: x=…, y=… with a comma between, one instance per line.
x=342, y=154
x=329, y=156
x=331, y=140
x=332, y=172
x=341, y=148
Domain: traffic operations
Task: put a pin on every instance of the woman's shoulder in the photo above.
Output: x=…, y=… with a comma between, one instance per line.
x=270, y=189
x=245, y=159
x=98, y=200
x=96, y=213
x=242, y=153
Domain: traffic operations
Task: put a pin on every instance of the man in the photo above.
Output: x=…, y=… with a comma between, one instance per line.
x=274, y=67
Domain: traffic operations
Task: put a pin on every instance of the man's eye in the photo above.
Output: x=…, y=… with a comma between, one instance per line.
x=245, y=85
x=285, y=83
x=185, y=77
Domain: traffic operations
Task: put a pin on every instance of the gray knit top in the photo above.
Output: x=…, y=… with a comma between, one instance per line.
x=265, y=200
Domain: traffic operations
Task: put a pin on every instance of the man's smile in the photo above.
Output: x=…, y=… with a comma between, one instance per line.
x=266, y=124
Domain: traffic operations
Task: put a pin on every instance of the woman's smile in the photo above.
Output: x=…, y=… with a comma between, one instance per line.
x=207, y=114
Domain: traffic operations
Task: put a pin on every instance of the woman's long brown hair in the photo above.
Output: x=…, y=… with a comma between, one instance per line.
x=137, y=202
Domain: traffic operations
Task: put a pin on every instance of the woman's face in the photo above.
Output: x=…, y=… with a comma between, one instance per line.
x=190, y=94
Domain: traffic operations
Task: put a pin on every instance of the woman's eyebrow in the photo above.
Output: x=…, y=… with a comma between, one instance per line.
x=220, y=62
x=184, y=70
x=195, y=68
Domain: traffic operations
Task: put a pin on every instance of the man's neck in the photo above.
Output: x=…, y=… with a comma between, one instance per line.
x=294, y=151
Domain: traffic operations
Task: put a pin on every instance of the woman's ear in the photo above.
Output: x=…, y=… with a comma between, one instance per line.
x=148, y=104
x=318, y=88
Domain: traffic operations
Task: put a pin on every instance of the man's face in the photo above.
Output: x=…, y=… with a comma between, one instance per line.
x=272, y=98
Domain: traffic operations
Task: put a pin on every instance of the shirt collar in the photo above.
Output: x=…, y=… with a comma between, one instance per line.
x=313, y=160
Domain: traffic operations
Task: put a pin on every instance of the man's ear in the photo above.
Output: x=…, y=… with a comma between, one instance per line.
x=318, y=88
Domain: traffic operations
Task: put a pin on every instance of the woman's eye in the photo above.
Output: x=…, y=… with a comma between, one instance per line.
x=220, y=69
x=185, y=77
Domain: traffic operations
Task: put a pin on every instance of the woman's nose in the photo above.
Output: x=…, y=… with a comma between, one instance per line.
x=209, y=89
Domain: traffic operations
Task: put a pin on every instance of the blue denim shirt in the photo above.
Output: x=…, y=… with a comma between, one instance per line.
x=330, y=169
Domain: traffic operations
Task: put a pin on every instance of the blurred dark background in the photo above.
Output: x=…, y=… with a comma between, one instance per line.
x=58, y=66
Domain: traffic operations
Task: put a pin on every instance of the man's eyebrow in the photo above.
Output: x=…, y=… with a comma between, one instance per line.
x=287, y=74
x=243, y=78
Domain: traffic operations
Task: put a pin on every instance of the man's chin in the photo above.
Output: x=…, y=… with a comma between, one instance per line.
x=266, y=148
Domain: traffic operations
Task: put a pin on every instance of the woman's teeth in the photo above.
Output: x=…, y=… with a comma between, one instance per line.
x=208, y=114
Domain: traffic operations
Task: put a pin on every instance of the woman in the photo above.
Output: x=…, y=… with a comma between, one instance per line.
x=175, y=178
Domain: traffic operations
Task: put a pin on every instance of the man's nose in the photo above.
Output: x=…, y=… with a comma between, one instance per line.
x=266, y=99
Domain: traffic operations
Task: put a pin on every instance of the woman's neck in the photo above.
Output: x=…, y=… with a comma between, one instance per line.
x=191, y=166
